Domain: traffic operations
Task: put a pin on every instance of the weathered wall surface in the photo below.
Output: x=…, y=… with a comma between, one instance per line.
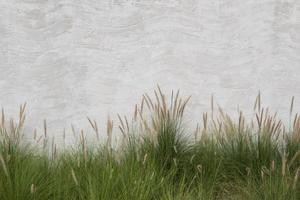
x=69, y=59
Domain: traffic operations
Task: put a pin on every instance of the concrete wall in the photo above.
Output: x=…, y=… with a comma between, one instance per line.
x=69, y=59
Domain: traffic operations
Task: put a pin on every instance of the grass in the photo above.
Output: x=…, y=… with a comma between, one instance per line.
x=157, y=158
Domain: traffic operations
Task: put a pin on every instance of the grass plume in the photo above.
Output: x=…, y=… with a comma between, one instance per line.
x=225, y=159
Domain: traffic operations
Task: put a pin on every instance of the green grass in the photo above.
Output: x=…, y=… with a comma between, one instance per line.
x=157, y=158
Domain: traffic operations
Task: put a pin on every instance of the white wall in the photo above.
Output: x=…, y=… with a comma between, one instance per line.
x=69, y=59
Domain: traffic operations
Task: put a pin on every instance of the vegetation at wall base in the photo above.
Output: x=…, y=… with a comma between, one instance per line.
x=158, y=158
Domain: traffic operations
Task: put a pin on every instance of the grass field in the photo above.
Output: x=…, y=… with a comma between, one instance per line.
x=158, y=158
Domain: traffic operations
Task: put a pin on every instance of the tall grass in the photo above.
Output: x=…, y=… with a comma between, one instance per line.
x=158, y=158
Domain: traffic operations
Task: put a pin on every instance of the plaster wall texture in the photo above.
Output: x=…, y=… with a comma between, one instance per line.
x=69, y=59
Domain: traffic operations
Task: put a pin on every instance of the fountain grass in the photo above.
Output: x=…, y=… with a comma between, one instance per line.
x=156, y=159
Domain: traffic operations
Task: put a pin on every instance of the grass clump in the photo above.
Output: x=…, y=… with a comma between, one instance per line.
x=157, y=158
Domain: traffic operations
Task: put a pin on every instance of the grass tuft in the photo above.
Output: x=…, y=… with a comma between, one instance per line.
x=157, y=157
